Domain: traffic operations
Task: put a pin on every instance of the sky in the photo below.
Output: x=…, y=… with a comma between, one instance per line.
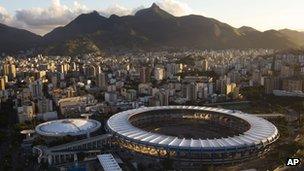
x=42, y=16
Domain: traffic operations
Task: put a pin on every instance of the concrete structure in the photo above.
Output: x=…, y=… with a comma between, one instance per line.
x=159, y=73
x=47, y=116
x=64, y=127
x=66, y=153
x=2, y=83
x=111, y=97
x=257, y=134
x=26, y=112
x=75, y=104
x=108, y=162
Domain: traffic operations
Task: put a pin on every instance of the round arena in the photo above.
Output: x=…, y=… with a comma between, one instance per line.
x=193, y=134
x=67, y=127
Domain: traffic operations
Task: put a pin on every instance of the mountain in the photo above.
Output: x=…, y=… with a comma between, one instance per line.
x=154, y=11
x=246, y=29
x=154, y=28
x=270, y=39
x=83, y=24
x=13, y=39
x=296, y=36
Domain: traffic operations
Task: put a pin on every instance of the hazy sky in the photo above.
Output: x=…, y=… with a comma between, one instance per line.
x=41, y=16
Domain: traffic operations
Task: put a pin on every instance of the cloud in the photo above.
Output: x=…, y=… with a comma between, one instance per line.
x=5, y=17
x=41, y=20
x=116, y=9
x=172, y=6
x=175, y=7
x=119, y=10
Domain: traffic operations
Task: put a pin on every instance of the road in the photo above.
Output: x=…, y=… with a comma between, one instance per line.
x=270, y=115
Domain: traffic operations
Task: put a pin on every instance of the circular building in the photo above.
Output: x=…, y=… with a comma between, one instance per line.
x=67, y=127
x=202, y=135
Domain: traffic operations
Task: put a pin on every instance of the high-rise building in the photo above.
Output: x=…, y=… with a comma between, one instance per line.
x=190, y=91
x=52, y=66
x=45, y=105
x=36, y=89
x=256, y=76
x=41, y=74
x=9, y=69
x=164, y=97
x=54, y=80
x=111, y=97
x=205, y=65
x=2, y=83
x=201, y=65
x=230, y=88
x=29, y=80
x=221, y=84
x=74, y=66
x=70, y=92
x=5, y=77
x=26, y=112
x=91, y=71
x=63, y=68
x=173, y=68
x=144, y=88
x=101, y=81
x=204, y=90
x=131, y=95
x=111, y=88
x=159, y=73
x=287, y=71
x=143, y=75
x=170, y=69
x=270, y=84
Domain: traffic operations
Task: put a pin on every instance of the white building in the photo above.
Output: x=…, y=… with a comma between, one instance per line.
x=159, y=74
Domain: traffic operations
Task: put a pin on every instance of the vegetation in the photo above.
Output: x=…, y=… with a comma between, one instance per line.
x=263, y=103
x=2, y=136
x=167, y=164
x=77, y=46
x=253, y=93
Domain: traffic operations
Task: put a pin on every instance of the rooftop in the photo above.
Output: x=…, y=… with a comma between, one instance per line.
x=261, y=131
x=108, y=162
x=64, y=127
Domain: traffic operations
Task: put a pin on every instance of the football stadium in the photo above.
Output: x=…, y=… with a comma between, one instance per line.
x=192, y=134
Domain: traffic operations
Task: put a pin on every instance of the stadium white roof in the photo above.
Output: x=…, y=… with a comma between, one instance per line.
x=64, y=127
x=261, y=131
x=108, y=162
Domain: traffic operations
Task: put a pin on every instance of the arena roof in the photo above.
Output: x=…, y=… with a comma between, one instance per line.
x=64, y=127
x=261, y=131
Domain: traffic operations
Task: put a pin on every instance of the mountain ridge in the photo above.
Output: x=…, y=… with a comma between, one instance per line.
x=14, y=39
x=154, y=28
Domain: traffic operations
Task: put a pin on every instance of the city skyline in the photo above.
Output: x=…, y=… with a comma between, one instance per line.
x=41, y=17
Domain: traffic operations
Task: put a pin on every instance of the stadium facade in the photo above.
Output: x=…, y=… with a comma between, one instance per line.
x=255, y=135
